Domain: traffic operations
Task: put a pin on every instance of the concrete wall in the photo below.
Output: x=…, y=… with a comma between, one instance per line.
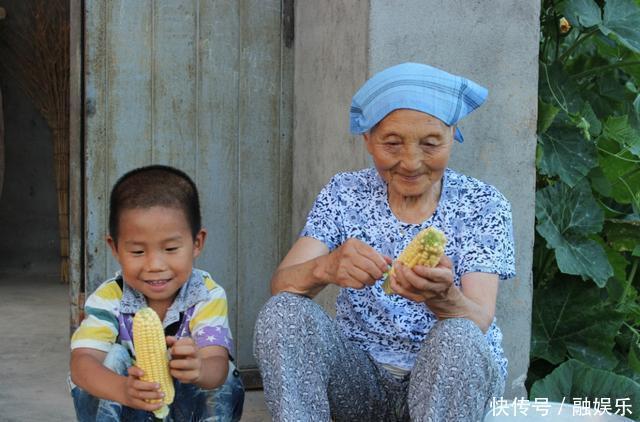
x=28, y=210
x=330, y=64
x=494, y=43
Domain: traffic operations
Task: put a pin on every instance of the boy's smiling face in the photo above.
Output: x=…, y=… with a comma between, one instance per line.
x=155, y=249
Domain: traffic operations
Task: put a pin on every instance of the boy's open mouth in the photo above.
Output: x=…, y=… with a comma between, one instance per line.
x=157, y=282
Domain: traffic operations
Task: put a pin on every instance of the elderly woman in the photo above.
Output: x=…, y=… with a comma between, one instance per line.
x=430, y=351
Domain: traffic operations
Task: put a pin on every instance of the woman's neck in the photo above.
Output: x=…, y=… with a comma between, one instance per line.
x=415, y=209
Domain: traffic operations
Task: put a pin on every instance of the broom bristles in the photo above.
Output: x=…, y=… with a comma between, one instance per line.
x=35, y=51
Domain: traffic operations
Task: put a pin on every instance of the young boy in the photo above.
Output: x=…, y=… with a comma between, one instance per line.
x=155, y=234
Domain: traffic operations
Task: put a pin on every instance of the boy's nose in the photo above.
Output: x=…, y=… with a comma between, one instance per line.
x=155, y=262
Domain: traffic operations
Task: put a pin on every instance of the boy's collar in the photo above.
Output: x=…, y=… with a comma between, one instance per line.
x=191, y=292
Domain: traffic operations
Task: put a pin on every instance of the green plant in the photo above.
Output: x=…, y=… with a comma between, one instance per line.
x=586, y=306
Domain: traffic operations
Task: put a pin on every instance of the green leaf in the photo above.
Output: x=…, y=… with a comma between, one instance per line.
x=562, y=210
x=595, y=127
x=585, y=13
x=565, y=217
x=557, y=88
x=622, y=19
x=636, y=251
x=634, y=354
x=584, y=257
x=617, y=261
x=610, y=87
x=599, y=182
x=546, y=114
x=622, y=169
x=575, y=379
x=607, y=47
x=617, y=128
x=570, y=318
x=566, y=154
x=622, y=235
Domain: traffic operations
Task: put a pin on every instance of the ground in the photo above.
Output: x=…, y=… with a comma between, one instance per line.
x=34, y=353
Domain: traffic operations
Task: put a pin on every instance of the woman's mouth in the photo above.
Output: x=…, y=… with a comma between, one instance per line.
x=410, y=179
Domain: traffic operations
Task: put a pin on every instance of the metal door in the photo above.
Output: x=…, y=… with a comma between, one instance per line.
x=203, y=85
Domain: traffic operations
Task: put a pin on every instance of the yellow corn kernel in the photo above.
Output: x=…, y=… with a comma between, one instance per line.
x=151, y=355
x=426, y=249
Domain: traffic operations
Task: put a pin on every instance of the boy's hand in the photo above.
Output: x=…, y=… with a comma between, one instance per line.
x=185, y=364
x=137, y=391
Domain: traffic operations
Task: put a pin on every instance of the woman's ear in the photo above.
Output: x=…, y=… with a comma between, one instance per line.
x=368, y=142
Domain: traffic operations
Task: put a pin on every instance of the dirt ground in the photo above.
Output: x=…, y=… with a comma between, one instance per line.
x=34, y=353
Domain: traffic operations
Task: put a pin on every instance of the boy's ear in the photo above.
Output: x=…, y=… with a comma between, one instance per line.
x=113, y=246
x=198, y=243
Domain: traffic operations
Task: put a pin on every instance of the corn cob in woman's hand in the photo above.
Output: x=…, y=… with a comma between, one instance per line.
x=425, y=249
x=151, y=356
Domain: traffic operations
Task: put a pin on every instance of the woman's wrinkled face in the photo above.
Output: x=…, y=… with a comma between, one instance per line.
x=410, y=150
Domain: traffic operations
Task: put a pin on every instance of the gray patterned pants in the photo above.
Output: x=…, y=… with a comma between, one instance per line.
x=311, y=372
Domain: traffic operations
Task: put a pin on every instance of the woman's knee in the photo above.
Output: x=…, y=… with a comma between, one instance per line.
x=287, y=313
x=455, y=343
x=289, y=321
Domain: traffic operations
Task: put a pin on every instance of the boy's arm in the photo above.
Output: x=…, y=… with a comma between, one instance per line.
x=206, y=367
x=89, y=373
x=215, y=366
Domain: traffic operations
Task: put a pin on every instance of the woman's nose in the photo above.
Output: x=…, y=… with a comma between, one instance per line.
x=411, y=159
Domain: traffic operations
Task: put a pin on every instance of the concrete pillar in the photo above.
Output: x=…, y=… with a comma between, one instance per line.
x=341, y=43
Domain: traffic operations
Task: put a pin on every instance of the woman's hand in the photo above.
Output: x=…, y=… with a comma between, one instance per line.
x=137, y=391
x=185, y=364
x=355, y=264
x=433, y=286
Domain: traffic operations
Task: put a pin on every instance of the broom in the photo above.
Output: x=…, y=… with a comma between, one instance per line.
x=34, y=46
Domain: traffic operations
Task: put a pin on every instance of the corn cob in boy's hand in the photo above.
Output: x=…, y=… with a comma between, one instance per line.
x=151, y=356
x=426, y=248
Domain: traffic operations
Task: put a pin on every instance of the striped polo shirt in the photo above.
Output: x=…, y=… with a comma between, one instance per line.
x=200, y=309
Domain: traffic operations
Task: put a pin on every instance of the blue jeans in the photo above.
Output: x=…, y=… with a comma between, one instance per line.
x=191, y=403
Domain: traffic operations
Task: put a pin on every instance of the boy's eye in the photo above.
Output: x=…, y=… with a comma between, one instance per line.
x=137, y=252
x=172, y=249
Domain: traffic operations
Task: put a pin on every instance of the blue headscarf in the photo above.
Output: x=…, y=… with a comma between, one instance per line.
x=418, y=87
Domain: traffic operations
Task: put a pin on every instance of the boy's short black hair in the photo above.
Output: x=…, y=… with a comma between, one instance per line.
x=155, y=185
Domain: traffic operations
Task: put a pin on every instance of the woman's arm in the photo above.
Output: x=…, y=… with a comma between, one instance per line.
x=309, y=267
